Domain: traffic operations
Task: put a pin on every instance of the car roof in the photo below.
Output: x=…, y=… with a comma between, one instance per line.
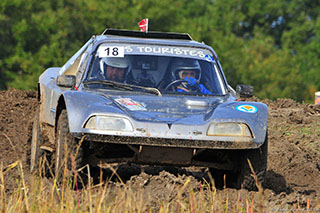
x=151, y=37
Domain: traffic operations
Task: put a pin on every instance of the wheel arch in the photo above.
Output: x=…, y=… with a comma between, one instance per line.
x=61, y=105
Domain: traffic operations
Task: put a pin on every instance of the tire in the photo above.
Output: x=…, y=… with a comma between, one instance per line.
x=258, y=159
x=243, y=177
x=36, y=141
x=66, y=148
x=218, y=177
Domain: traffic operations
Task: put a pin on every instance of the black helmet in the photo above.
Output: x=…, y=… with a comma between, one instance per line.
x=180, y=64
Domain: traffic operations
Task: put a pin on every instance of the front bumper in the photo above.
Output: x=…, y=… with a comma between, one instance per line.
x=236, y=143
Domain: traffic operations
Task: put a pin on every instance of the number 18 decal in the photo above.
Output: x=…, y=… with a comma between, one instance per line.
x=111, y=51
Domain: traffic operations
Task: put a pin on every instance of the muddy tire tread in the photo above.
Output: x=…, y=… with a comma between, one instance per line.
x=72, y=143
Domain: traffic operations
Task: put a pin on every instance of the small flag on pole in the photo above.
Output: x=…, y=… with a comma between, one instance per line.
x=143, y=24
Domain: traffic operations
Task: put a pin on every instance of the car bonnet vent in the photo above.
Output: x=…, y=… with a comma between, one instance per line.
x=150, y=34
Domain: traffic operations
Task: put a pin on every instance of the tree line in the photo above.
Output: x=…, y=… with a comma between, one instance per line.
x=272, y=45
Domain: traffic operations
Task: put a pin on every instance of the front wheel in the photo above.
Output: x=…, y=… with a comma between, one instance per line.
x=68, y=152
x=242, y=176
x=258, y=159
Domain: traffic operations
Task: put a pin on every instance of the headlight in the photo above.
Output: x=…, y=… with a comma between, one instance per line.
x=229, y=130
x=110, y=123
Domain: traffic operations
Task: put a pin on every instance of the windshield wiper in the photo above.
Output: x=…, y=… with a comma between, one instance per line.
x=125, y=86
x=110, y=83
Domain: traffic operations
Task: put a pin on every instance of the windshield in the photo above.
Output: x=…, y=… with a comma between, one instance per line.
x=169, y=69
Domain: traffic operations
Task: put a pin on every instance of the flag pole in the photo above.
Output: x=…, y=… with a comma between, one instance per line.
x=147, y=26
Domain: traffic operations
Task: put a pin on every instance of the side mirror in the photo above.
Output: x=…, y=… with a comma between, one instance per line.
x=244, y=91
x=68, y=81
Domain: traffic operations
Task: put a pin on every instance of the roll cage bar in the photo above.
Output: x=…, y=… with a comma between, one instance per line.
x=149, y=34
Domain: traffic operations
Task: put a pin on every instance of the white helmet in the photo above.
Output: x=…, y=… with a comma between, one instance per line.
x=113, y=62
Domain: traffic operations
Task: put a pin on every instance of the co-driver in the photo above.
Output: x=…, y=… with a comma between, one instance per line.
x=189, y=70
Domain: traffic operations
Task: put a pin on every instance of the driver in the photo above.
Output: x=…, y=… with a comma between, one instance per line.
x=113, y=69
x=188, y=70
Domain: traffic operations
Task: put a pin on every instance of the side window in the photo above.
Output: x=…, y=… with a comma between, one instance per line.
x=94, y=69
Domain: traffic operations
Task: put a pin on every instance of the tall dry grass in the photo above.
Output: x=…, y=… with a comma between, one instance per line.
x=47, y=195
x=53, y=195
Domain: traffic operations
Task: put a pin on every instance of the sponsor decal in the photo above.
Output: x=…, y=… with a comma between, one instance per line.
x=247, y=108
x=168, y=51
x=209, y=58
x=111, y=51
x=131, y=104
x=108, y=50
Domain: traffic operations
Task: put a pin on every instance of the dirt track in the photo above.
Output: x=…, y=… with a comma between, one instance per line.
x=293, y=173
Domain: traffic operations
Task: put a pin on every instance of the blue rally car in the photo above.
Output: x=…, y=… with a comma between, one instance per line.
x=149, y=98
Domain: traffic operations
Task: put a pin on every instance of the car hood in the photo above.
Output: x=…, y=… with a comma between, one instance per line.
x=167, y=109
x=176, y=111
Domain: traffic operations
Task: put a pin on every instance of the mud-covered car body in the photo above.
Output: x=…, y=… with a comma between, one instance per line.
x=141, y=119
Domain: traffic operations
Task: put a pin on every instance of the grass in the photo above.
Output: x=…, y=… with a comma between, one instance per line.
x=310, y=130
x=308, y=134
x=43, y=195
